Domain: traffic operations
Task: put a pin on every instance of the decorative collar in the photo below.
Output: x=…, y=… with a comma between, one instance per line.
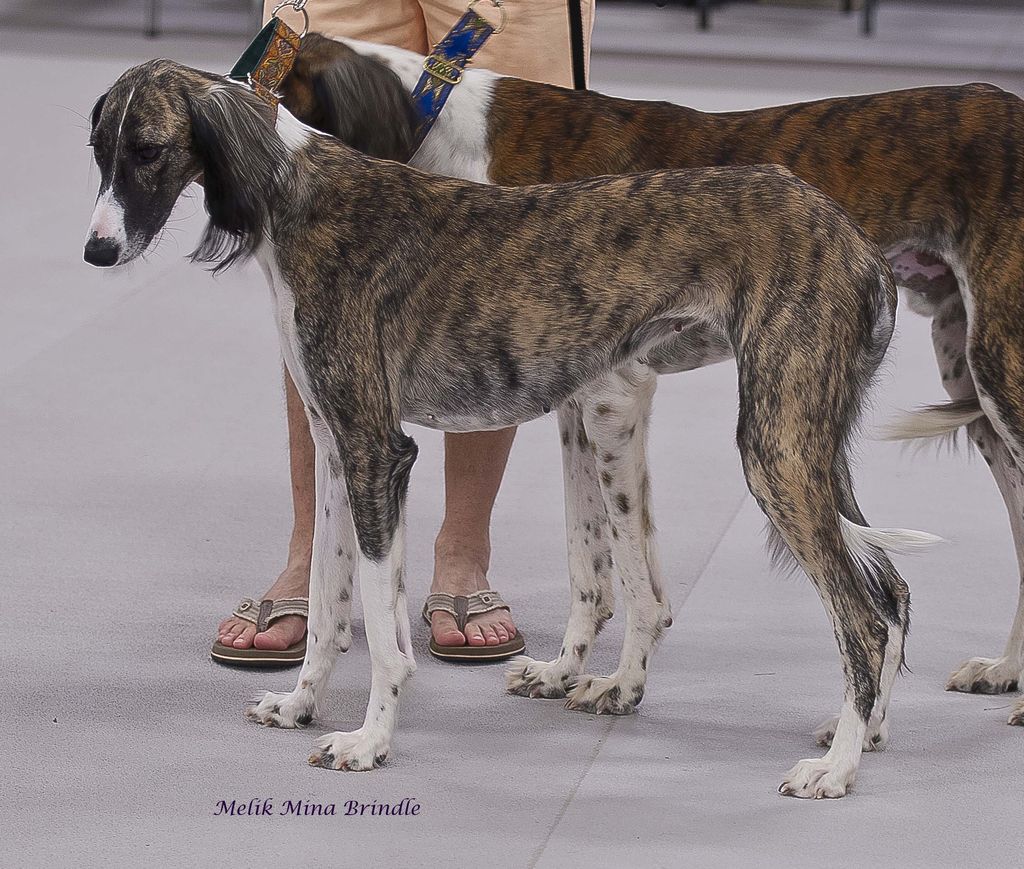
x=270, y=56
x=265, y=64
x=443, y=67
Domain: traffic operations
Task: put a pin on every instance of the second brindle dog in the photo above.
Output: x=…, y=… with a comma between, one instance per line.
x=947, y=207
x=459, y=306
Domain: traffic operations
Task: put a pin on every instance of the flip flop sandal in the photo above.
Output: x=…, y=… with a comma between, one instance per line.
x=461, y=607
x=263, y=614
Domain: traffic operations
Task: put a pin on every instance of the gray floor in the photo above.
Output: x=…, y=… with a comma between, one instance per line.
x=143, y=490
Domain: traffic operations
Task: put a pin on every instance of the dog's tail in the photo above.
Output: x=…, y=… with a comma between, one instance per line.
x=933, y=421
x=869, y=548
x=868, y=552
x=865, y=543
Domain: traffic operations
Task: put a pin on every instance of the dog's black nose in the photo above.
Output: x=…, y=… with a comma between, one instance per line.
x=101, y=251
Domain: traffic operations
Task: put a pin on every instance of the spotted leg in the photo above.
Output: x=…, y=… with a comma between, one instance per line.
x=949, y=334
x=615, y=414
x=330, y=594
x=996, y=675
x=591, y=596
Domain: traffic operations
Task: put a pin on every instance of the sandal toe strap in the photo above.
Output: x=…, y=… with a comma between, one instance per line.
x=461, y=607
x=438, y=602
x=264, y=613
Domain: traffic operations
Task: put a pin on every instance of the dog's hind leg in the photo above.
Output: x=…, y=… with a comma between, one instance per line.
x=866, y=600
x=330, y=594
x=796, y=411
x=591, y=597
x=616, y=413
x=876, y=738
x=1006, y=673
x=376, y=468
x=949, y=333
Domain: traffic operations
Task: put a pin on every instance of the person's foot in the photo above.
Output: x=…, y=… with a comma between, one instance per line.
x=460, y=570
x=285, y=631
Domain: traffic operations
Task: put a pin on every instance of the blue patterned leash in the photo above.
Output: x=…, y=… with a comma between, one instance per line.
x=442, y=69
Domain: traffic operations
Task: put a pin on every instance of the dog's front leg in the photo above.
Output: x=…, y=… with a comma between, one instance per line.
x=616, y=412
x=334, y=562
x=590, y=568
x=377, y=473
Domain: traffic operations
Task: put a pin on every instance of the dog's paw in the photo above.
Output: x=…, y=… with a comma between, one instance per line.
x=1017, y=715
x=817, y=779
x=281, y=710
x=529, y=678
x=985, y=676
x=357, y=751
x=605, y=695
x=875, y=739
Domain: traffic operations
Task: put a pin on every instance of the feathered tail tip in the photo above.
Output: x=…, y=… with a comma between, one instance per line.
x=933, y=421
x=864, y=541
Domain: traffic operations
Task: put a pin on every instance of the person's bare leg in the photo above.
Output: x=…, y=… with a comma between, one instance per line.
x=474, y=463
x=294, y=579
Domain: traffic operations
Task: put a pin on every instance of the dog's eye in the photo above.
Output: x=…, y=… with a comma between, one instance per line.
x=148, y=153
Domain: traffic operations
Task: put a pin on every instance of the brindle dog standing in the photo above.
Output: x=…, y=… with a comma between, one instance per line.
x=935, y=176
x=402, y=295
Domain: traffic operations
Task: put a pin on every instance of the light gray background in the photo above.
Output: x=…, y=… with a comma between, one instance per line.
x=143, y=490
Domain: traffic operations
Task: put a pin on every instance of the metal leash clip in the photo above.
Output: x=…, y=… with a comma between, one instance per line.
x=497, y=4
x=300, y=6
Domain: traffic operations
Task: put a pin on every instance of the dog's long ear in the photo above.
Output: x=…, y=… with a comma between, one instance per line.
x=360, y=101
x=243, y=162
x=97, y=110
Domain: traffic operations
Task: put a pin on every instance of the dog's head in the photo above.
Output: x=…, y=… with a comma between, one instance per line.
x=142, y=142
x=163, y=125
x=160, y=127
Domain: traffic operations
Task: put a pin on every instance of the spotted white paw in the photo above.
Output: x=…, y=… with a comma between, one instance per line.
x=818, y=779
x=605, y=695
x=529, y=678
x=282, y=710
x=356, y=751
x=875, y=739
x=1017, y=715
x=985, y=676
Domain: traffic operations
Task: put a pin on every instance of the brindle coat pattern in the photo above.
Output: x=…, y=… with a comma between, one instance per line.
x=391, y=309
x=933, y=175
x=958, y=195
x=960, y=198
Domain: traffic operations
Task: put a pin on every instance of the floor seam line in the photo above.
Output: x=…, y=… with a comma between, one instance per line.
x=539, y=852
x=699, y=575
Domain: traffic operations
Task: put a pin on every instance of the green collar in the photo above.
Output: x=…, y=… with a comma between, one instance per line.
x=269, y=58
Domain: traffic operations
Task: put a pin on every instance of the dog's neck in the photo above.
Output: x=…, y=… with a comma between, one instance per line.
x=318, y=167
x=457, y=144
x=407, y=65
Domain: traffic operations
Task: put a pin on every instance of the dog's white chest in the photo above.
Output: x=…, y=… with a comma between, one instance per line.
x=284, y=316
